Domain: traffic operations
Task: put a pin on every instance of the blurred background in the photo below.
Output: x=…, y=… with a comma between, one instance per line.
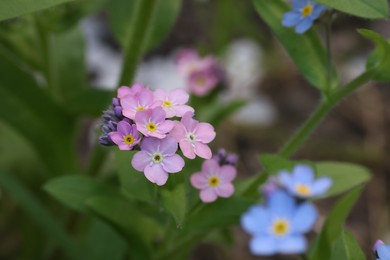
x=259, y=71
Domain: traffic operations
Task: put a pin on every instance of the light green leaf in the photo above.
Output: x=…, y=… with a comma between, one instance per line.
x=322, y=248
x=379, y=59
x=346, y=247
x=14, y=8
x=306, y=50
x=345, y=176
x=120, y=17
x=175, y=202
x=134, y=184
x=38, y=213
x=364, y=8
x=74, y=190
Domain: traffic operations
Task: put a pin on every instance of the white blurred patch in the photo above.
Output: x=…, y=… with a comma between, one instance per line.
x=353, y=68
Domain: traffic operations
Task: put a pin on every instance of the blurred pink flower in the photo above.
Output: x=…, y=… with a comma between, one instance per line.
x=151, y=122
x=193, y=137
x=126, y=136
x=201, y=82
x=214, y=181
x=157, y=158
x=174, y=102
x=124, y=91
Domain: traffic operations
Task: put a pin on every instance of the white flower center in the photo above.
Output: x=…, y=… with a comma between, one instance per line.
x=191, y=137
x=157, y=157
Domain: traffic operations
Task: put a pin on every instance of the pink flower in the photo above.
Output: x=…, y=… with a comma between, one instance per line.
x=126, y=136
x=157, y=158
x=174, y=102
x=214, y=181
x=151, y=122
x=124, y=91
x=193, y=137
x=201, y=82
x=137, y=99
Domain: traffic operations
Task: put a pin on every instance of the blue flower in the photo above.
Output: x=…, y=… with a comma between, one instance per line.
x=278, y=227
x=382, y=251
x=301, y=182
x=303, y=15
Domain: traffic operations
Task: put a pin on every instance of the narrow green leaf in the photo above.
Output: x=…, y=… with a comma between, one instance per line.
x=306, y=50
x=214, y=113
x=345, y=176
x=346, y=247
x=91, y=102
x=374, y=9
x=379, y=59
x=274, y=163
x=74, y=190
x=175, y=202
x=322, y=248
x=14, y=8
x=38, y=213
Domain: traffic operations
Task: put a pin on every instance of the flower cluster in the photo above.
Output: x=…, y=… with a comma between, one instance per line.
x=202, y=74
x=139, y=119
x=381, y=250
x=304, y=13
x=216, y=176
x=279, y=225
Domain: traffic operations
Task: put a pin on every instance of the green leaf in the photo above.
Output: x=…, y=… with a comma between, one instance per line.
x=134, y=184
x=379, y=59
x=322, y=248
x=363, y=8
x=175, y=202
x=345, y=176
x=164, y=18
x=38, y=213
x=14, y=8
x=346, y=247
x=306, y=50
x=215, y=112
x=274, y=163
x=74, y=190
x=91, y=102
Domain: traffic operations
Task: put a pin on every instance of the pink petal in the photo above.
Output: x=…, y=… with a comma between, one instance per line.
x=199, y=181
x=210, y=167
x=202, y=150
x=170, y=112
x=145, y=97
x=187, y=149
x=125, y=147
x=208, y=195
x=124, y=128
x=160, y=94
x=140, y=160
x=224, y=190
x=227, y=173
x=124, y=91
x=156, y=174
x=142, y=116
x=157, y=115
x=188, y=122
x=173, y=163
x=166, y=126
x=150, y=144
x=155, y=134
x=168, y=146
x=204, y=132
x=178, y=131
x=179, y=96
x=180, y=110
x=116, y=137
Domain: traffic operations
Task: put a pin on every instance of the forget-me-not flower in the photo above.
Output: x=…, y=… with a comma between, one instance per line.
x=301, y=182
x=381, y=250
x=303, y=15
x=279, y=226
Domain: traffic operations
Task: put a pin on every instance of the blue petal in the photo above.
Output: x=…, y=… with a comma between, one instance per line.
x=304, y=218
x=298, y=4
x=384, y=252
x=281, y=204
x=317, y=10
x=294, y=244
x=303, y=173
x=256, y=220
x=291, y=18
x=304, y=25
x=285, y=179
x=321, y=185
x=263, y=245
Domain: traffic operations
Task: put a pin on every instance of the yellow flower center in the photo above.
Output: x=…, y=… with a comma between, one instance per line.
x=200, y=80
x=280, y=227
x=213, y=181
x=167, y=104
x=302, y=190
x=140, y=108
x=157, y=157
x=151, y=127
x=128, y=139
x=307, y=10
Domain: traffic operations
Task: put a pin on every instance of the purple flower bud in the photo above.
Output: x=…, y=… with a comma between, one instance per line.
x=115, y=102
x=118, y=111
x=224, y=158
x=105, y=140
x=231, y=159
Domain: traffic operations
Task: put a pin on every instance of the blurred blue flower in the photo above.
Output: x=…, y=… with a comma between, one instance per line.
x=303, y=15
x=278, y=227
x=301, y=182
x=382, y=251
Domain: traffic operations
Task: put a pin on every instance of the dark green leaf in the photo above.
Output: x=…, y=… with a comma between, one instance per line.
x=306, y=50
x=74, y=190
x=274, y=163
x=14, y=8
x=175, y=202
x=363, y=8
x=91, y=102
x=215, y=112
x=346, y=247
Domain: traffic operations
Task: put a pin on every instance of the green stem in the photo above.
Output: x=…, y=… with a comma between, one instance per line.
x=137, y=40
x=96, y=160
x=328, y=25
